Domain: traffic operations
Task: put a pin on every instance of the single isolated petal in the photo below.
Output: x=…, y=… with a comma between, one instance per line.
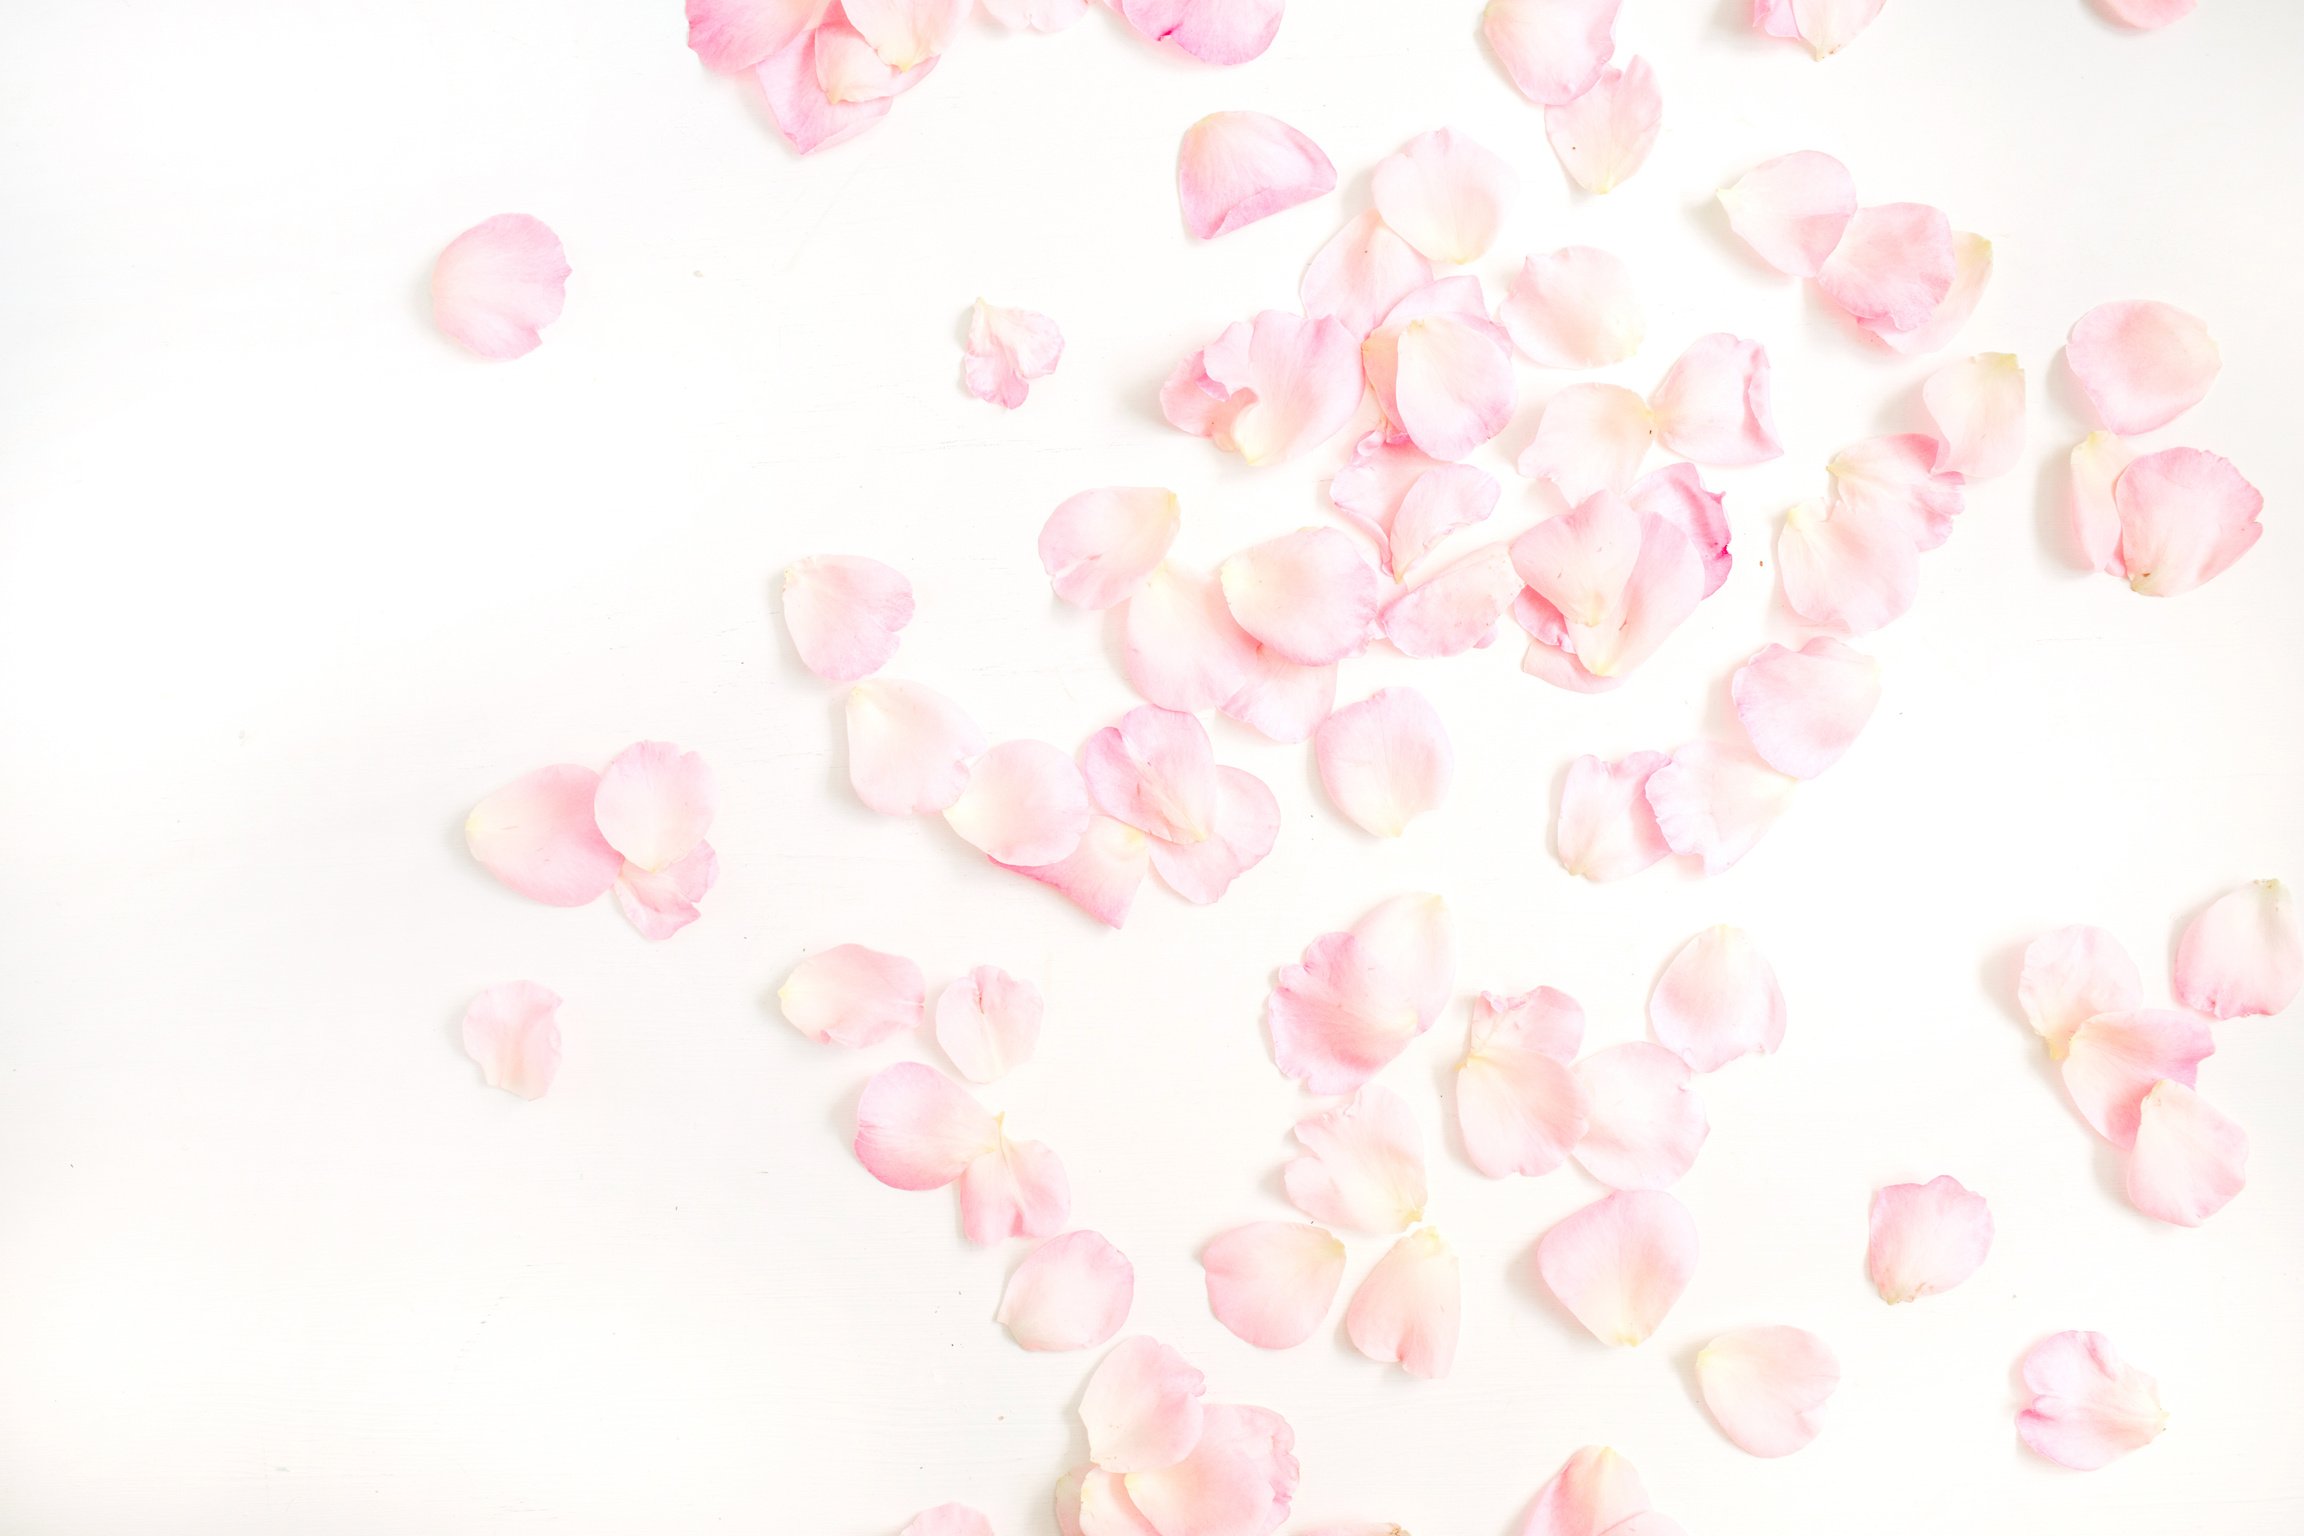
x=1595, y=1492
x=731, y=36
x=1386, y=760
x=1246, y=825
x=2072, y=975
x=1101, y=876
x=853, y=996
x=1895, y=480
x=1359, y=997
x=1803, y=709
x=1007, y=349
x=2142, y=364
x=987, y=1022
x=1014, y=1189
x=1827, y=26
x=1156, y=771
x=1413, y=941
x=1792, y=209
x=1270, y=389
x=2114, y=1059
x=1099, y=546
x=1590, y=438
x=662, y=902
x=1715, y=802
x=1212, y=31
x=1766, y=1387
x=1310, y=595
x=655, y=803
x=1518, y=1103
x=2089, y=1407
x=908, y=747
x=1024, y=804
x=1971, y=275
x=1409, y=1307
x=1142, y=1407
x=2244, y=955
x=1718, y=1000
x=1180, y=645
x=2097, y=462
x=1445, y=194
x=513, y=1031
x=1554, y=50
x=1574, y=308
x=1893, y=265
x=1604, y=135
x=1282, y=699
x=917, y=1129
x=2146, y=15
x=1621, y=1262
x=792, y=80
x=1271, y=1282
x=1443, y=500
x=845, y=613
x=538, y=836
x=2189, y=1160
x=1237, y=167
x=906, y=32
x=1607, y=829
x=1645, y=1123
x=1926, y=1238
x=1846, y=567
x=1363, y=1168
x=498, y=284
x=1618, y=581
x=1361, y=273
x=1712, y=405
x=1071, y=1292
x=1978, y=411
x=2185, y=516
x=1241, y=1477
x=948, y=1520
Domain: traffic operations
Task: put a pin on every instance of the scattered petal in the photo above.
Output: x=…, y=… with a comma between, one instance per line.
x=1386, y=760
x=662, y=902
x=2142, y=364
x=1792, y=209
x=1893, y=266
x=1803, y=709
x=853, y=996
x=1554, y=50
x=1271, y=1282
x=1518, y=1103
x=1718, y=1000
x=655, y=803
x=1604, y=135
x=1142, y=1407
x=2244, y=955
x=1409, y=1307
x=907, y=32
x=2097, y=461
x=1895, y=480
x=1450, y=378
x=1156, y=771
x=1618, y=581
x=2089, y=1407
x=1359, y=997
x=1846, y=566
x=731, y=36
x=1212, y=31
x=1978, y=411
x=2189, y=1160
x=1013, y=1189
x=1621, y=1262
x=2146, y=15
x=1363, y=1168
x=1310, y=595
x=1101, y=876
x=1268, y=389
x=1766, y=1387
x=1575, y=308
x=1593, y=1494
x=1024, y=804
x=1099, y=546
x=1971, y=274
x=498, y=284
x=1247, y=824
x=513, y=1031
x=1827, y=26
x=845, y=613
x=908, y=747
x=1036, y=15
x=537, y=835
x=1926, y=1238
x=2072, y=975
x=988, y=1022
x=1444, y=500
x=1645, y=1123
x=1607, y=829
x=1590, y=438
x=792, y=80
x=1456, y=609
x=1238, y=167
x=1278, y=697
x=1361, y=273
x=2114, y=1059
x=917, y=1129
x=1180, y=645
x=1712, y=405
x=1238, y=1481
x=948, y=1520
x=1007, y=349
x=2185, y=516
x=1445, y=194
x=1715, y=802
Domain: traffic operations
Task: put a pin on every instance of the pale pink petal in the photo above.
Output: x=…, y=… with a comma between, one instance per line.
x=1718, y=1000
x=1359, y=997
x=1766, y=1387
x=2185, y=516
x=1445, y=194
x=2097, y=462
x=845, y=613
x=1239, y=1480
x=1827, y=26
x=1554, y=50
x=1071, y=1292
x=1024, y=804
x=2072, y=975
x=1926, y=1238
x=1712, y=404
x=853, y=996
x=1412, y=938
x=1156, y=771
x=1607, y=829
x=1271, y=1282
x=1212, y=31
x=498, y=284
x=2146, y=15
x=731, y=36
x=2089, y=1407
x=1774, y=17
x=850, y=69
x=2189, y=1160
x=1971, y=274
x=1371, y=490
x=804, y=111
x=908, y=747
x=1619, y=581
x=1237, y=167
x=1518, y=1103
x=1361, y=273
x=1894, y=265
x=1895, y=480
x=1792, y=209
x=1454, y=387
x=1363, y=1167
x=1007, y=349
x=2114, y=1059
x=662, y=902
x=1546, y=1021
x=1575, y=308
x=1014, y=1189
x=1443, y=501
x=1282, y=699
x=1604, y=135
x=513, y=1032
x=1977, y=408
x=987, y=1022
x=1036, y=15
x=1456, y=609
x=1104, y=1507
x=917, y=1129
x=2142, y=363
x=1677, y=494
x=1101, y=876
x=1386, y=760
x=1644, y=1124
x=1069, y=1489
x=1246, y=825
x=1803, y=709
x=2244, y=955
x=1180, y=645
x=1846, y=566
x=1548, y=655
x=1620, y=1263
x=1269, y=390
x=906, y=32
x=537, y=835
x=1310, y=595
x=1715, y=802
x=1590, y=438
x=1099, y=546
x=1594, y=1493
x=1409, y=1307
x=948, y=1520
x=655, y=803
x=1142, y=1407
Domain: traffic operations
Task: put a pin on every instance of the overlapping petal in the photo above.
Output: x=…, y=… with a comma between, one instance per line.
x=1237, y=167
x=1246, y=825
x=1519, y=1105
x=1714, y=802
x=1361, y=273
x=2114, y=1059
x=2189, y=1159
x=917, y=1129
x=1792, y=209
x=513, y=1032
x=1142, y=1407
x=1239, y=1479
x=2244, y=955
x=1607, y=829
x=2072, y=975
x=1766, y=1387
x=1620, y=1263
x=659, y=903
x=1445, y=499
x=655, y=803
x=1895, y=480
x=1926, y=1238
x=1155, y=770
x=2089, y=1407
x=1270, y=388
x=1102, y=875
x=1007, y=349
x=1971, y=275
x=907, y=32
x=1456, y=609
x=2097, y=462
x=537, y=835
x=1014, y=1189
x=1358, y=997
x=792, y=81
x=1978, y=411
x=1180, y=645
x=1894, y=264
x=1619, y=581
x=1099, y=546
x=1717, y=1000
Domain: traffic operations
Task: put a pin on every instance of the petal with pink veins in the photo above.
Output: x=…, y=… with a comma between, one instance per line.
x=655, y=803
x=1409, y=1307
x=1606, y=829
x=1445, y=194
x=1926, y=1238
x=538, y=836
x=2189, y=1160
x=1358, y=997
x=1846, y=566
x=1590, y=438
x=1715, y=802
x=1444, y=500
x=1717, y=1000
x=1573, y=308
x=1677, y=494
x=2142, y=363
x=1102, y=875
x=1156, y=771
x=1893, y=266
x=1978, y=411
x=1142, y=1407
x=1310, y=595
x=513, y=1032
x=792, y=81
x=845, y=613
x=1280, y=698
x=1456, y=609
x=853, y=996
x=1237, y=167
x=2185, y=516
x=1519, y=1105
x=1212, y=31
x=1246, y=825
x=1896, y=479
x=1024, y=804
x=1803, y=709
x=908, y=747
x=2097, y=461
x=948, y=1520
x=1792, y=210
x=2244, y=956
x=1712, y=404
x=1363, y=1164
x=498, y=284
x=1645, y=1124
x=1007, y=349
x=660, y=903
x=2146, y=15
x=917, y=1129
x=1099, y=546
x=1239, y=1479
x=2089, y=1407
x=1180, y=645
x=1554, y=50
x=1386, y=760
x=1620, y=581
x=1270, y=389
x=988, y=1022
x=2114, y=1059
x=1014, y=1189
x=2072, y=975
x=1620, y=1263
x=1596, y=1492
x=1766, y=1387
x=1971, y=274
x=1271, y=1282
x=731, y=36
x=1361, y=273
x=1604, y=135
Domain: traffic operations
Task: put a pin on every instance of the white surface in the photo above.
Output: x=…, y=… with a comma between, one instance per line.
x=287, y=584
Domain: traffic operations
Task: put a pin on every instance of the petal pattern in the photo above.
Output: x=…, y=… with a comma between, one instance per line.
x=1237, y=167
x=1718, y=999
x=1409, y=1307
x=1271, y=1282
x=1607, y=829
x=1099, y=546
x=1766, y=1387
x=498, y=284
x=2244, y=956
x=1645, y=1123
x=853, y=996
x=513, y=1032
x=2142, y=364
x=1803, y=709
x=1071, y=1292
x=1386, y=760
x=2089, y=1407
x=1620, y=1263
x=1926, y=1238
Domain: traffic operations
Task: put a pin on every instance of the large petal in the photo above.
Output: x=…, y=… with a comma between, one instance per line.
x=1554, y=50
x=845, y=613
x=2089, y=1407
x=1099, y=546
x=2142, y=363
x=917, y=1129
x=1212, y=31
x=1280, y=698
x=1238, y=1481
x=1363, y=1168
x=655, y=803
x=1445, y=194
x=1621, y=581
x=853, y=996
x=988, y=1022
x=1271, y=1282
x=1413, y=939
x=1456, y=609
x=1827, y=26
x=1590, y=438
x=1409, y=1307
x=1142, y=1407
x=1024, y=804
x=538, y=836
x=1718, y=1000
x=1893, y=265
x=2189, y=1160
x=1361, y=273
x=1926, y=1238
x=1574, y=308
x=1607, y=829
x=908, y=746
x=1359, y=997
x=1453, y=386
x=1715, y=802
x=2097, y=462
x=1303, y=383
x=1978, y=411
x=1445, y=499
x=2114, y=1059
x=792, y=81
x=498, y=284
x=1518, y=1103
x=1604, y=135
x=1971, y=274
x=1803, y=709
x=2072, y=975
x=1246, y=825
x=2244, y=955
x=907, y=32
x=1094, y=1502
x=1386, y=760
x=2185, y=516
x=1007, y=349
x=1180, y=645
x=1645, y=1124
x=731, y=36
x=1595, y=1491
x=1620, y=1263
x=1014, y=1189
x=659, y=903
x=1792, y=209
x=1156, y=771
x=1712, y=404
x=1766, y=1387
x=1895, y=479
x=1846, y=567
x=1237, y=167
x=1310, y=595
x=1101, y=876
x=513, y=1032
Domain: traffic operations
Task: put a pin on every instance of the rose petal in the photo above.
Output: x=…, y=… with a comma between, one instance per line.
x=1926, y=1238
x=1604, y=135
x=513, y=1032
x=1237, y=167
x=1359, y=997
x=1444, y=500
x=917, y=1129
x=1846, y=567
x=853, y=996
x=1025, y=804
x=1247, y=824
x=1361, y=273
x=1606, y=829
x=1792, y=209
x=1619, y=580
x=1827, y=26
x=1099, y=546
x=1453, y=385
x=1766, y=1387
x=1590, y=438
x=2114, y=1059
x=1014, y=1189
x=498, y=284
x=850, y=69
x=1895, y=480
x=804, y=111
x=1310, y=595
x=2146, y=15
x=845, y=613
x=1894, y=265
x=1105, y=1508
x=1575, y=308
x=1718, y=1000
x=1518, y=1104
x=1409, y=1307
x=2244, y=955
x=731, y=36
x=1712, y=405
x=2185, y=516
x=1280, y=698
x=2189, y=1160
x=1554, y=50
x=1620, y=1263
x=1240, y=1478
x=1363, y=1168
x=1594, y=1493
x=1007, y=349
x=655, y=803
x=908, y=747
x=1803, y=709
x=1386, y=760
x=1271, y=1282
x=948, y=1520
x=1212, y=31
x=906, y=32
x=2089, y=1407
x=1142, y=1407
x=1445, y=194
x=2097, y=461
x=2072, y=975
x=1455, y=610
x=1971, y=274
x=661, y=903
x=1270, y=389
x=2142, y=363
x=1978, y=411
x=1371, y=490
x=1101, y=876
x=1645, y=1124
x=1156, y=771
x=1180, y=645
x=988, y=1022
x=1715, y=802
x=1036, y=15
x=537, y=835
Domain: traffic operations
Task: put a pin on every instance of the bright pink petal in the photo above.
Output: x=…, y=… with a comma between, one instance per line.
x=906, y=32
x=537, y=835
x=1238, y=1481
x=1712, y=405
x=1715, y=802
x=1280, y=698
x=1455, y=610
x=917, y=1129
x=2189, y=1160
x=1386, y=760
x=1237, y=167
x=1099, y=546
x=1014, y=1189
x=1971, y=274
x=1718, y=1000
x=1271, y=1282
x=662, y=902
x=1620, y=1263
x=804, y=111
x=1363, y=1164
x=1766, y=1387
x=655, y=803
x=1895, y=480
x=1310, y=595
x=1445, y=194
x=1792, y=209
x=987, y=1022
x=845, y=613
x=1575, y=308
x=1409, y=1307
x=908, y=747
x=1518, y=1103
x=1604, y=135
x=2142, y=364
x=1827, y=26
x=513, y=1031
x=1894, y=264
x=731, y=36
x=1590, y=438
x=2072, y=975
x=1101, y=876
x=1978, y=411
x=1620, y=581
x=1677, y=494
x=1142, y=1407
x=2147, y=15
x=2185, y=516
x=1607, y=829
x=1246, y=825
x=1803, y=709
x=1444, y=500
x=1156, y=771
x=1554, y=50
x=1007, y=349
x=1361, y=273
x=2097, y=462
x=1645, y=1124
x=1283, y=386
x=1180, y=645
x=1926, y=1238
x=2114, y=1059
x=1595, y=1492
x=498, y=284
x=1212, y=31
x=853, y=996
x=1359, y=997
x=1024, y=804
x=2089, y=1407
x=2244, y=955
x=1846, y=567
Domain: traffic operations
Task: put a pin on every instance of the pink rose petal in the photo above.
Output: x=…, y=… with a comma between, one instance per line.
x=1360, y=996
x=1620, y=1263
x=2243, y=956
x=513, y=1032
x=1619, y=581
x=1363, y=1168
x=1444, y=500
x=1180, y=645
x=850, y=69
x=845, y=613
x=1644, y=1122
x=498, y=284
x=1971, y=274
x=908, y=747
x=1554, y=50
x=1792, y=209
x=948, y=1520
x=2097, y=462
x=1007, y=349
x=1409, y=1307
x=1237, y=167
x=1361, y=273
x=988, y=1022
x=1803, y=709
x=1071, y=1292
x=660, y=903
x=1371, y=490
x=1450, y=377
x=1607, y=829
x=1271, y=1282
x=1604, y=135
x=1591, y=437
x=1895, y=480
x=731, y=36
x=1456, y=609
x=1036, y=15
x=2189, y=1160
x=537, y=835
x=792, y=81
x=1142, y=1407
x=1712, y=404
x=907, y=32
x=1268, y=389
x=2072, y=975
x=1281, y=698
x=1827, y=26
x=1156, y=771
x=1596, y=1492
x=1310, y=595
x=1014, y=1189
x=1212, y=31
x=2114, y=1059
x=1518, y=1103
x=1239, y=1479
x=1846, y=567
x=1445, y=194
x=1246, y=825
x=917, y=1129
x=1098, y=1506
x=1575, y=308
x=655, y=803
x=1926, y=1238
x=1099, y=546
x=1715, y=802
x=1386, y=760
x=1102, y=875
x=853, y=996
x=2185, y=516
x=2142, y=364
x=1978, y=411
x=1677, y=494
x=2089, y=1407
x=1718, y=1000
x=1766, y=1387
x=1893, y=266
x=2146, y=15
x=1024, y=804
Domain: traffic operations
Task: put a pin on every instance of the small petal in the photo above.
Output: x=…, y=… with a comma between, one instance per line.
x=792, y=81
x=1156, y=771
x=1978, y=411
x=1142, y=1407
x=1014, y=1189
x=1212, y=31
x=1618, y=581
x=662, y=902
x=2072, y=975
x=498, y=284
x=1715, y=802
x=1590, y=438
x=1895, y=480
x=1270, y=389
x=2189, y=1160
x=853, y=996
x=1792, y=209
x=1361, y=273
x=2097, y=461
x=1594, y=1493
x=1456, y=609
x=2147, y=15
x=1271, y=1282
x=1386, y=760
x=1894, y=265
x=1101, y=876
x=538, y=836
x=1803, y=709
x=513, y=1031
x=1645, y=1124
x=2142, y=364
x=2089, y=1407
x=1445, y=194
x=1926, y=1238
x=2114, y=1059
x=655, y=803
x=1766, y=1387
x=1445, y=499
x=1025, y=804
x=1620, y=1263
x=2244, y=955
x=1007, y=349
x=2185, y=516
x=1575, y=308
x=1846, y=567
x=1409, y=1307
x=731, y=36
x=1278, y=697
x=1554, y=50
x=1827, y=26
x=917, y=1129
x=987, y=1022
x=845, y=613
x=1604, y=135
x=1240, y=1478
x=1246, y=825
x=1718, y=1000
x=1971, y=274
x=1519, y=1105
x=1607, y=829
x=1359, y=997
x=1310, y=595
x=1099, y=546
x=908, y=747
x=1363, y=1167
x=1712, y=405
x=1238, y=167
x=1180, y=645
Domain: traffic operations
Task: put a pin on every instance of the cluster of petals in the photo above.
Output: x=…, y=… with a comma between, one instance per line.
x=566, y=836
x=1711, y=407
x=498, y=284
x=1596, y=1492
x=2089, y=1407
x=1359, y=996
x=1601, y=120
x=1162, y=1462
x=1826, y=26
x=916, y=1129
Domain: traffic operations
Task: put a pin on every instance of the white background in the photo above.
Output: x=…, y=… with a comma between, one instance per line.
x=287, y=583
